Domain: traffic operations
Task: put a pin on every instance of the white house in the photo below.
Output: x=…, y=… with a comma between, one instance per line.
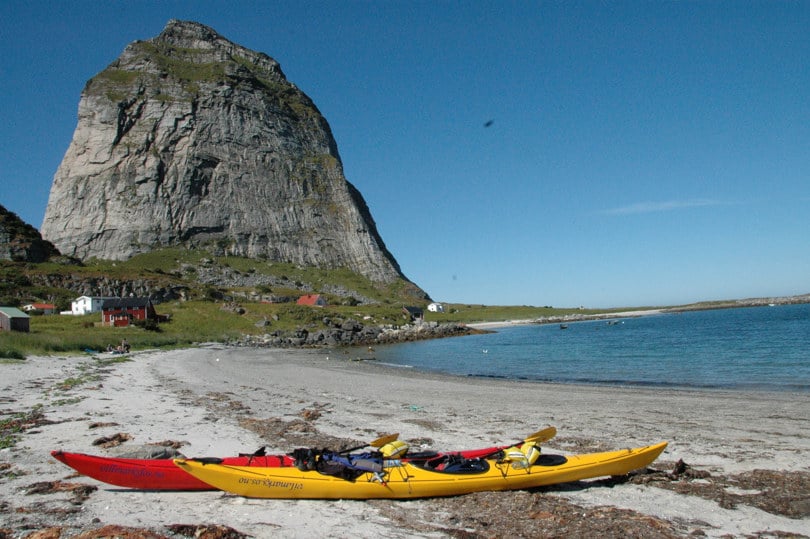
x=87, y=304
x=436, y=308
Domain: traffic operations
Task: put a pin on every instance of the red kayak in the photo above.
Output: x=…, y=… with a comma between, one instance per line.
x=153, y=474
x=162, y=474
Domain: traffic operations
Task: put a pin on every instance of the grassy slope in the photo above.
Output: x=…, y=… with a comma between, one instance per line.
x=202, y=318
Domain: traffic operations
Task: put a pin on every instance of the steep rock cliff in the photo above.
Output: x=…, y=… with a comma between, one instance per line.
x=189, y=139
x=21, y=242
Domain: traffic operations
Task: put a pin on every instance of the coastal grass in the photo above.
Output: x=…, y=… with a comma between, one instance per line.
x=189, y=322
x=198, y=321
x=195, y=322
x=10, y=354
x=259, y=300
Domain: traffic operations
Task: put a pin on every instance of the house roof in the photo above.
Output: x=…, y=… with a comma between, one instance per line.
x=125, y=303
x=13, y=312
x=43, y=306
x=414, y=311
x=309, y=299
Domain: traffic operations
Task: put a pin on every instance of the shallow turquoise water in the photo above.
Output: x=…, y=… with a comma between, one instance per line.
x=747, y=348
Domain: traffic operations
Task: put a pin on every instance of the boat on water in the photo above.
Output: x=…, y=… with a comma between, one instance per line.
x=163, y=474
x=367, y=478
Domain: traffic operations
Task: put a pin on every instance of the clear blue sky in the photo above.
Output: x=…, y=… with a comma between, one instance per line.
x=640, y=153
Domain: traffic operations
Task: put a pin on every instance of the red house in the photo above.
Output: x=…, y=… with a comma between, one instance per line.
x=120, y=312
x=312, y=299
x=44, y=308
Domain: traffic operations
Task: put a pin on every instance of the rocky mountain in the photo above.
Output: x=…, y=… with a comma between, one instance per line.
x=21, y=242
x=190, y=139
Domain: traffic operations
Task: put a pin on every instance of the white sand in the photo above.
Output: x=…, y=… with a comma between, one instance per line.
x=152, y=398
x=566, y=318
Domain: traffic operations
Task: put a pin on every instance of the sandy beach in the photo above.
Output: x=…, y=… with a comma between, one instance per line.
x=747, y=473
x=492, y=325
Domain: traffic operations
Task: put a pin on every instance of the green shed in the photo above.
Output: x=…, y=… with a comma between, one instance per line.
x=13, y=319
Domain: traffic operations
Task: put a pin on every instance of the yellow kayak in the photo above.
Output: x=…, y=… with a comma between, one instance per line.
x=397, y=479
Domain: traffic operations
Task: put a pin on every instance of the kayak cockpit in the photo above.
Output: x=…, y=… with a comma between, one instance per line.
x=455, y=464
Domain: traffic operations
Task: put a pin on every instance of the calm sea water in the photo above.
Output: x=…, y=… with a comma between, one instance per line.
x=764, y=348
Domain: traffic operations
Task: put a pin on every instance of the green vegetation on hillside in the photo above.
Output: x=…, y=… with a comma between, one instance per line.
x=206, y=321
x=225, y=308
x=193, y=68
x=167, y=267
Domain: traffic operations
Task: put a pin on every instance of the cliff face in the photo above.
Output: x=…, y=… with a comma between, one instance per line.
x=20, y=241
x=189, y=139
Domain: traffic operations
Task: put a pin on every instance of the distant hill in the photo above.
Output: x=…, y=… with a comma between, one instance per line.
x=190, y=140
x=22, y=242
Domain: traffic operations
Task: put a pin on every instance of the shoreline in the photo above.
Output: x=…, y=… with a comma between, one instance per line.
x=570, y=318
x=720, y=305
x=214, y=399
